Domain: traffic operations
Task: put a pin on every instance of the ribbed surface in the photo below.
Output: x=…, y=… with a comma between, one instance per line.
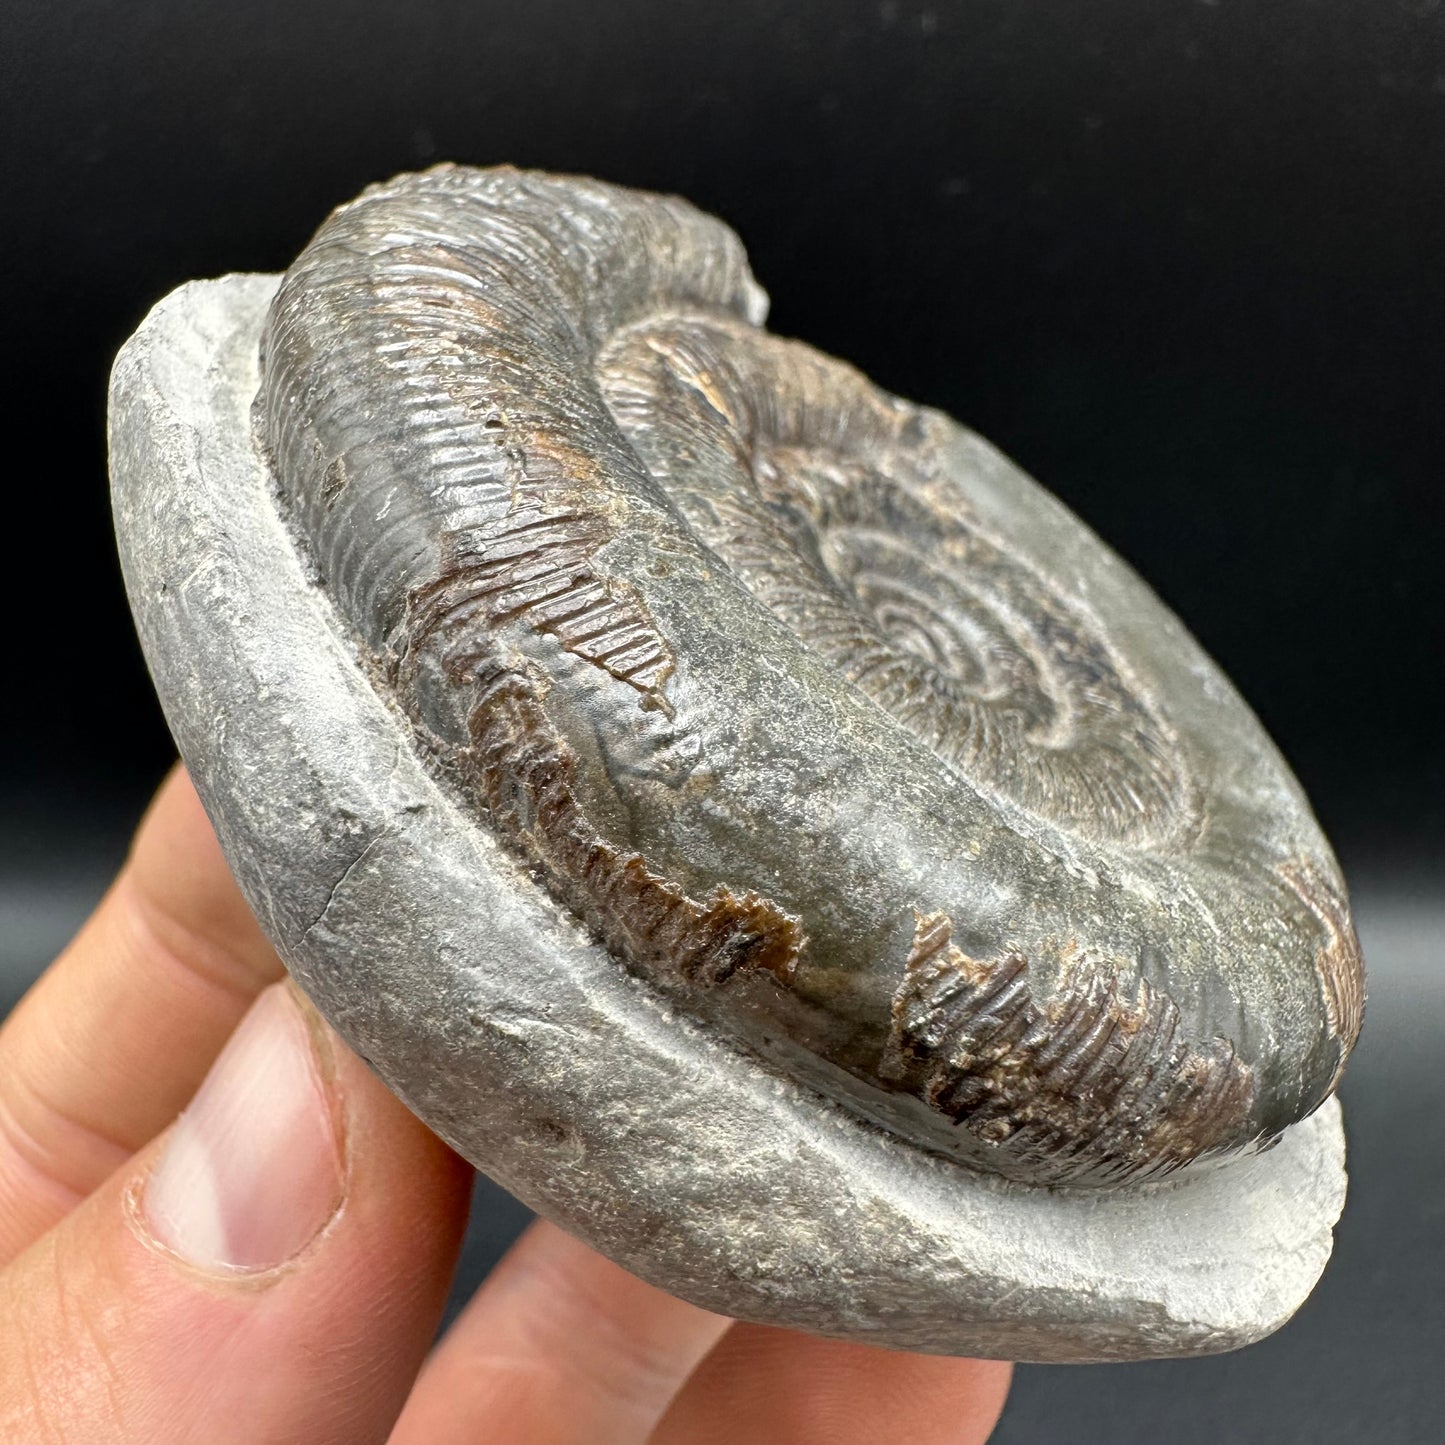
x=1101, y=1080
x=815, y=489
x=449, y=317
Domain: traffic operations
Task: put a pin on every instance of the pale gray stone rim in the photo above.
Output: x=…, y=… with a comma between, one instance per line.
x=533, y=1052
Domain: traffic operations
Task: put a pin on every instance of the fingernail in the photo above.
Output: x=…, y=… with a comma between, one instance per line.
x=253, y=1168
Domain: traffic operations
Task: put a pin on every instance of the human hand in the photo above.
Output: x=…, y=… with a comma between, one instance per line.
x=272, y=1267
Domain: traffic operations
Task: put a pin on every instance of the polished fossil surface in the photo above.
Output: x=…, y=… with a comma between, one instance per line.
x=777, y=685
x=734, y=806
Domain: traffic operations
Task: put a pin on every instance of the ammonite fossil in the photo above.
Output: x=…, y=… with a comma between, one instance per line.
x=840, y=752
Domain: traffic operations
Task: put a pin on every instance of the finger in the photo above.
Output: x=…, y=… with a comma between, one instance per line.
x=106, y=1048
x=559, y=1345
x=791, y=1389
x=271, y=1270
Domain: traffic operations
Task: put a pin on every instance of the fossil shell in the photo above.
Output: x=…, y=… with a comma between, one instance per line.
x=834, y=729
x=651, y=1109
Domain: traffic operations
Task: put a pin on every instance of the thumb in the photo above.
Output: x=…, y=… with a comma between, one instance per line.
x=271, y=1269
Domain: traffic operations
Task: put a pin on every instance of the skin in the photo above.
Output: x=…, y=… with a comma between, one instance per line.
x=110, y=1335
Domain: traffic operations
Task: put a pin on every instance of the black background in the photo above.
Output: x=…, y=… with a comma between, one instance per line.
x=1184, y=262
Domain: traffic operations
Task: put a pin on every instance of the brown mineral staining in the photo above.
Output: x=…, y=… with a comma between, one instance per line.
x=532, y=565
x=526, y=773
x=1095, y=1081
x=1338, y=961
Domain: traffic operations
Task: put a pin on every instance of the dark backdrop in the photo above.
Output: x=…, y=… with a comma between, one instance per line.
x=1182, y=261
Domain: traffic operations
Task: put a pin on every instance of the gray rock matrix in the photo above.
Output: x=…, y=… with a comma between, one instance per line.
x=968, y=1041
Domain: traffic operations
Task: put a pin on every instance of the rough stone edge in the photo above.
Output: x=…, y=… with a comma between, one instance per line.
x=533, y=1052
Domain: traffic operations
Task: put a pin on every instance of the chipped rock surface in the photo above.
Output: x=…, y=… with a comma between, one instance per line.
x=486, y=1006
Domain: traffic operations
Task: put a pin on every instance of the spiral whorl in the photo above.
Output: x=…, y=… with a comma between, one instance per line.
x=832, y=502
x=825, y=719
